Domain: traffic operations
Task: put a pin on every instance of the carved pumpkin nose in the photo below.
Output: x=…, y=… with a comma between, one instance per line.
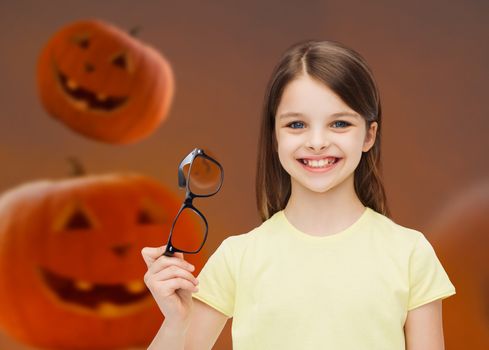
x=89, y=67
x=121, y=249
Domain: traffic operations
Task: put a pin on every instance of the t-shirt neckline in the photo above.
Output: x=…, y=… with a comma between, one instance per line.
x=287, y=225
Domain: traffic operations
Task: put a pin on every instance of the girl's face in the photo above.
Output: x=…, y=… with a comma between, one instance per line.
x=314, y=127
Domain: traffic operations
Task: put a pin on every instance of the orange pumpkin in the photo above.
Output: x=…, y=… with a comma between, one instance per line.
x=71, y=269
x=104, y=83
x=461, y=240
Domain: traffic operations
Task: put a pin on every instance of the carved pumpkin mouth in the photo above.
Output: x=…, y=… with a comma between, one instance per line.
x=104, y=299
x=85, y=99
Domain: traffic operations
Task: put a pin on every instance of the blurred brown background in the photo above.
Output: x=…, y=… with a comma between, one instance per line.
x=429, y=58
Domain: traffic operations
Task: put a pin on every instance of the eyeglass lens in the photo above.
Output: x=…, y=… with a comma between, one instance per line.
x=189, y=231
x=204, y=177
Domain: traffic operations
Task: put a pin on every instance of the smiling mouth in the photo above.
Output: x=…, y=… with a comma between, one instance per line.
x=104, y=299
x=84, y=98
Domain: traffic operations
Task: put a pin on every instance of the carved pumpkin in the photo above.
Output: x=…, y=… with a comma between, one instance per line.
x=71, y=270
x=461, y=238
x=103, y=83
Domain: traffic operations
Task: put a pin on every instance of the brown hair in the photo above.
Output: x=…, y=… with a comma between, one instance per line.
x=345, y=72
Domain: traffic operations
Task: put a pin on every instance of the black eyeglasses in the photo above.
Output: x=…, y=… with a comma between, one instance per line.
x=202, y=176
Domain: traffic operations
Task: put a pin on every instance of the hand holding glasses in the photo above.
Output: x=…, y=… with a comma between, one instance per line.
x=202, y=176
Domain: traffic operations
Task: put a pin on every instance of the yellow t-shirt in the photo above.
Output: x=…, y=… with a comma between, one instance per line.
x=286, y=289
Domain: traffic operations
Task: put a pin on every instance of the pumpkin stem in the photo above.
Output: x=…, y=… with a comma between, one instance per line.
x=135, y=31
x=77, y=168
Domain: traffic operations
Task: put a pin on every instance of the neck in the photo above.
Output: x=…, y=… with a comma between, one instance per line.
x=324, y=213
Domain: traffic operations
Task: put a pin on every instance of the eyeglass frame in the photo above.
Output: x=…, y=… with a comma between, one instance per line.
x=189, y=196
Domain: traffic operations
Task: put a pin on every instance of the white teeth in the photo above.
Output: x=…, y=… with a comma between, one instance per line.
x=135, y=286
x=83, y=285
x=319, y=163
x=72, y=85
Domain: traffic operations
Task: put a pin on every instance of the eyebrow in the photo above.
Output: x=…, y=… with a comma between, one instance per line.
x=337, y=114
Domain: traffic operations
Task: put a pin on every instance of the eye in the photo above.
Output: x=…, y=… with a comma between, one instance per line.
x=342, y=121
x=294, y=123
x=120, y=61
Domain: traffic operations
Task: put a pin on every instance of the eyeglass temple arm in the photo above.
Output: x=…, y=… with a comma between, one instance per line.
x=182, y=182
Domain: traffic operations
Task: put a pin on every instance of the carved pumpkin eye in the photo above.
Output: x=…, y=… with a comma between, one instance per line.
x=74, y=216
x=82, y=41
x=78, y=221
x=150, y=213
x=145, y=218
x=120, y=61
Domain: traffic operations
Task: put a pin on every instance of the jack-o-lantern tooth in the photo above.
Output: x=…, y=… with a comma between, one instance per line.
x=72, y=85
x=81, y=104
x=101, y=97
x=135, y=286
x=107, y=309
x=83, y=285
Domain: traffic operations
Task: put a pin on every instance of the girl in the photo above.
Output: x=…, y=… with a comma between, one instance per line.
x=327, y=268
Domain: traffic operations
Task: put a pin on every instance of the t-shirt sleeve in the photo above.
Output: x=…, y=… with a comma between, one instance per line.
x=428, y=280
x=217, y=280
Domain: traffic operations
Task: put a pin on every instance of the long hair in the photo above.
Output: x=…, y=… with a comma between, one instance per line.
x=346, y=73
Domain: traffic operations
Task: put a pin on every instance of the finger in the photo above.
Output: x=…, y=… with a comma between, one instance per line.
x=178, y=254
x=150, y=254
x=165, y=261
x=175, y=272
x=174, y=284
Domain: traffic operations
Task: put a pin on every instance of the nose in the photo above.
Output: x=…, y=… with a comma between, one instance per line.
x=89, y=67
x=317, y=140
x=121, y=249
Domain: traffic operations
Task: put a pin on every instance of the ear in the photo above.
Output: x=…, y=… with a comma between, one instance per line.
x=370, y=137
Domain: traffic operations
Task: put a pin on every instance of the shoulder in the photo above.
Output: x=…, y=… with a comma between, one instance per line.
x=388, y=229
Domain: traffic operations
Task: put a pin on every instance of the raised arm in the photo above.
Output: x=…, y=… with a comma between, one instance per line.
x=188, y=325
